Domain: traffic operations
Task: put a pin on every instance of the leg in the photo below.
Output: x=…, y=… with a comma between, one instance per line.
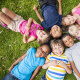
x=5, y=19
x=9, y=13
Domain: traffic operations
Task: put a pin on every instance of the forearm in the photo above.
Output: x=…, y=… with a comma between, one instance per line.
x=46, y=65
x=75, y=69
x=68, y=70
x=35, y=72
x=24, y=39
x=60, y=8
x=38, y=15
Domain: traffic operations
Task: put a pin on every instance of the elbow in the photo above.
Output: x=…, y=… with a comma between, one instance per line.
x=70, y=72
x=43, y=67
x=30, y=18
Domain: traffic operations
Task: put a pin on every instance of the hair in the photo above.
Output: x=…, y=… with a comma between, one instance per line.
x=55, y=42
x=45, y=41
x=47, y=45
x=64, y=35
x=73, y=29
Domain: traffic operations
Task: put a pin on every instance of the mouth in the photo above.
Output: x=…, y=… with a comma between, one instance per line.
x=70, y=43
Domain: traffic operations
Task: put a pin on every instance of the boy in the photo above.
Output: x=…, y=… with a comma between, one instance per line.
x=73, y=54
x=56, y=62
x=30, y=61
x=50, y=14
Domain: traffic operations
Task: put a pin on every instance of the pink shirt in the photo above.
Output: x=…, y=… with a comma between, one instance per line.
x=32, y=30
x=77, y=12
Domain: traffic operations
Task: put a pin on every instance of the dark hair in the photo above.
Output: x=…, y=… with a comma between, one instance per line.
x=45, y=41
x=56, y=41
x=64, y=35
x=48, y=46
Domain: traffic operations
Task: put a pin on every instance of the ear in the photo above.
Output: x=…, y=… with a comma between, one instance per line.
x=50, y=32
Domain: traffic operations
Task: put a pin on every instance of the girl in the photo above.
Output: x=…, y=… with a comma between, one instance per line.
x=28, y=28
x=74, y=30
x=75, y=17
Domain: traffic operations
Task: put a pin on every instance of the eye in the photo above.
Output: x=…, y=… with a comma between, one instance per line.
x=41, y=36
x=68, y=18
x=65, y=41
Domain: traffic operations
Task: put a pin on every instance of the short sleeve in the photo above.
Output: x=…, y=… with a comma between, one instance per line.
x=43, y=24
x=42, y=62
x=31, y=49
x=48, y=57
x=68, y=54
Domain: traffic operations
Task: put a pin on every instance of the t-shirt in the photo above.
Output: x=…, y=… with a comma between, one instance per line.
x=32, y=30
x=56, y=72
x=73, y=54
x=51, y=16
x=24, y=69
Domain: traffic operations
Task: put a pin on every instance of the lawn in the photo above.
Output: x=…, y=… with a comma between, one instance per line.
x=11, y=43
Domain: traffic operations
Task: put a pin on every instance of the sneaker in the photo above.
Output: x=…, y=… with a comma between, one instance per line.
x=4, y=25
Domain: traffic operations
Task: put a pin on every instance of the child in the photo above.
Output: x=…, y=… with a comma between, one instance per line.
x=75, y=17
x=68, y=40
x=51, y=15
x=73, y=54
x=56, y=62
x=74, y=30
x=28, y=28
x=30, y=61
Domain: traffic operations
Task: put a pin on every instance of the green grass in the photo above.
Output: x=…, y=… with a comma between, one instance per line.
x=11, y=44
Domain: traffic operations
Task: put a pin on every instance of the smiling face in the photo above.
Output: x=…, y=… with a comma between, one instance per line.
x=57, y=49
x=56, y=31
x=68, y=41
x=42, y=35
x=69, y=20
x=42, y=51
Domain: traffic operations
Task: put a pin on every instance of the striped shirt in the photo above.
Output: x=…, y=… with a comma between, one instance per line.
x=58, y=72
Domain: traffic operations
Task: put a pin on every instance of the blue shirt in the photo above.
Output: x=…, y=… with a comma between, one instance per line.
x=24, y=69
x=51, y=16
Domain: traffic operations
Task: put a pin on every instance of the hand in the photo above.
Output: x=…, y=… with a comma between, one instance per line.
x=61, y=63
x=11, y=68
x=35, y=7
x=53, y=63
x=59, y=1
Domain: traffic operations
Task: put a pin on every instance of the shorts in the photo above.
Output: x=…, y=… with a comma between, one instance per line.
x=45, y=2
x=14, y=25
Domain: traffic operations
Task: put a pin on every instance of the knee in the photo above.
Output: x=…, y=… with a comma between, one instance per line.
x=1, y=14
x=4, y=10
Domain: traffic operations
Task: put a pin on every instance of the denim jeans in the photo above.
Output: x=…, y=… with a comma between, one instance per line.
x=43, y=77
x=9, y=76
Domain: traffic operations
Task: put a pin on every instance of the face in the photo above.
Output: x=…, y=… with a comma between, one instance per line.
x=42, y=51
x=58, y=49
x=69, y=20
x=42, y=35
x=78, y=33
x=68, y=41
x=56, y=31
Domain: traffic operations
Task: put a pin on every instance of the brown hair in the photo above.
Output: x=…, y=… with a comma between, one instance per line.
x=45, y=41
x=56, y=41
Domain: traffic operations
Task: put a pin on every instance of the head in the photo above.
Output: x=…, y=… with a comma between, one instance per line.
x=68, y=20
x=74, y=30
x=43, y=37
x=43, y=50
x=56, y=31
x=57, y=46
x=68, y=40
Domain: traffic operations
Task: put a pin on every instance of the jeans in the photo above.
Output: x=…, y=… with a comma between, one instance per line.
x=9, y=76
x=43, y=77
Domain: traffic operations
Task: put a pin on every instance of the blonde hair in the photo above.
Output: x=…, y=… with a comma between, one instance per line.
x=73, y=29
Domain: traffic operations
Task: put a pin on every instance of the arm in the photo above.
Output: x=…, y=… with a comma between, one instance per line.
x=60, y=7
x=68, y=69
x=17, y=61
x=35, y=72
x=25, y=40
x=37, y=13
x=74, y=9
x=75, y=69
x=51, y=63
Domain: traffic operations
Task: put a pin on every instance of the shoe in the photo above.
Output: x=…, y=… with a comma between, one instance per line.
x=4, y=25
